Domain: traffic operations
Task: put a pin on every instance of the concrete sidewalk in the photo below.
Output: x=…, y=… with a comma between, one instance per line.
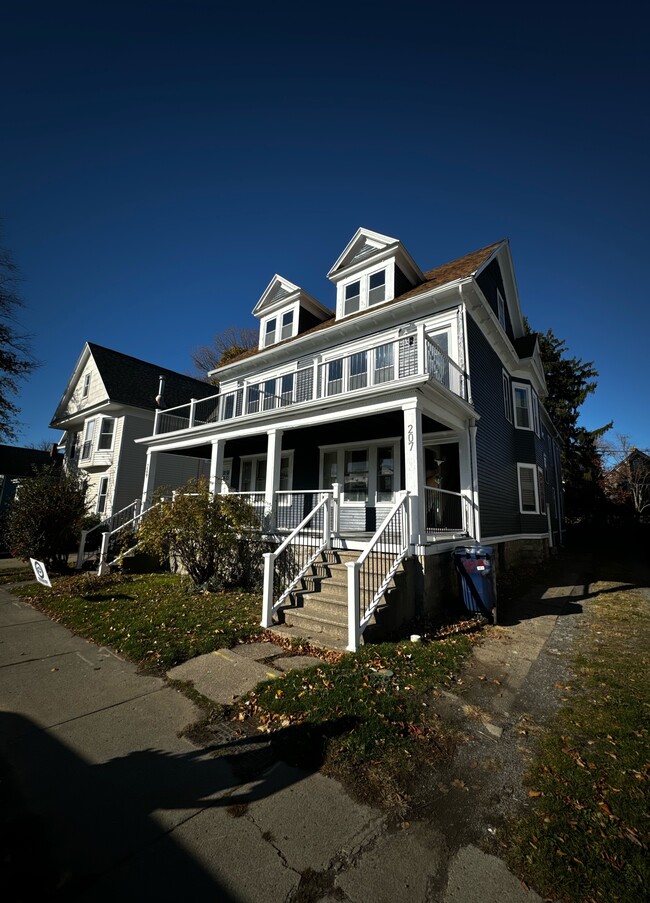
x=118, y=806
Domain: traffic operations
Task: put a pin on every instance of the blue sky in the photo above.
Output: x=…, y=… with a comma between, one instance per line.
x=160, y=161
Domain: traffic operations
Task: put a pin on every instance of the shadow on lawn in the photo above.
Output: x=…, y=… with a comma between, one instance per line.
x=71, y=829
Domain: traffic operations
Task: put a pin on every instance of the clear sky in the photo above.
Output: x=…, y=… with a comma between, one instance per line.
x=160, y=161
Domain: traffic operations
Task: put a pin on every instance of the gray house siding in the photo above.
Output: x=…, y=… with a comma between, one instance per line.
x=495, y=442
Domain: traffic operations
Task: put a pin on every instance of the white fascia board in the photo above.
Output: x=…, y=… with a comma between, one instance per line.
x=340, y=333
x=72, y=382
x=372, y=237
x=65, y=423
x=510, y=284
x=360, y=266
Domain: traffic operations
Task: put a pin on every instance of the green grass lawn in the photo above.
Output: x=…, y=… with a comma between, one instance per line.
x=16, y=574
x=155, y=620
x=367, y=718
x=587, y=838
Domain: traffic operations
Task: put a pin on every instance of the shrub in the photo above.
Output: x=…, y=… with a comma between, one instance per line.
x=214, y=538
x=46, y=517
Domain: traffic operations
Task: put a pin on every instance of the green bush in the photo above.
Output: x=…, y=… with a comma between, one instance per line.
x=215, y=539
x=46, y=517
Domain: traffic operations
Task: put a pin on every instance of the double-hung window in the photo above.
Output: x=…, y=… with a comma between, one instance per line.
x=359, y=370
x=106, y=432
x=269, y=332
x=89, y=435
x=376, y=288
x=352, y=297
x=287, y=325
x=86, y=386
x=102, y=495
x=384, y=363
x=527, y=478
x=522, y=406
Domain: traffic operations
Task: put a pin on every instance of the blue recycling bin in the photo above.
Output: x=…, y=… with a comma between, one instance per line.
x=473, y=565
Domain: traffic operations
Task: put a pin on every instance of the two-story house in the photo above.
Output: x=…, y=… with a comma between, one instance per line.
x=408, y=418
x=109, y=402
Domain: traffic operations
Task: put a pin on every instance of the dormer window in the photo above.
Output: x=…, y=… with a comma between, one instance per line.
x=376, y=287
x=370, y=289
x=352, y=297
x=287, y=325
x=269, y=333
x=86, y=386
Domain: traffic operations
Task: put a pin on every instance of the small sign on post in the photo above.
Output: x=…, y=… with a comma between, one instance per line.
x=40, y=572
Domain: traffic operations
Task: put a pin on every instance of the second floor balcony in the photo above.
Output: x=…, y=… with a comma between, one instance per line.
x=413, y=354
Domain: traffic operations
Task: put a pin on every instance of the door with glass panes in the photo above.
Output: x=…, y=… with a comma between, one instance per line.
x=368, y=476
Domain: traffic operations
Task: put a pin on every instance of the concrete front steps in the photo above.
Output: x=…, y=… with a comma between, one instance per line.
x=318, y=609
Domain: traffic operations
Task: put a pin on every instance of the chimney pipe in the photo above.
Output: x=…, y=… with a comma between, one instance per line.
x=160, y=397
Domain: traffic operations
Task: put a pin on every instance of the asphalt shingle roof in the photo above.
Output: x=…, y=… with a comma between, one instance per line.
x=131, y=381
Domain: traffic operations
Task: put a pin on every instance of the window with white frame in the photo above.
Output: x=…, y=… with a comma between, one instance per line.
x=528, y=488
x=384, y=363
x=269, y=331
x=89, y=435
x=522, y=406
x=368, y=473
x=106, y=433
x=287, y=325
x=364, y=291
x=536, y=419
x=358, y=370
x=507, y=397
x=501, y=309
x=86, y=386
x=541, y=491
x=278, y=327
x=102, y=495
x=252, y=473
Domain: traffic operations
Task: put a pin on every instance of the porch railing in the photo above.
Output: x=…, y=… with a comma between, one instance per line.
x=370, y=575
x=291, y=507
x=382, y=364
x=287, y=565
x=445, y=512
x=257, y=502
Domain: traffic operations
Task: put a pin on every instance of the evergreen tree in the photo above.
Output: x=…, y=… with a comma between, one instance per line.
x=570, y=380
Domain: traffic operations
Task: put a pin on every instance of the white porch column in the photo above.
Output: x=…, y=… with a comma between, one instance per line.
x=414, y=470
x=149, y=478
x=273, y=454
x=216, y=467
x=474, y=459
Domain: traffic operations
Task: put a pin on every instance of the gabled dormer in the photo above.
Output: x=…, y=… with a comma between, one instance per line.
x=285, y=310
x=372, y=270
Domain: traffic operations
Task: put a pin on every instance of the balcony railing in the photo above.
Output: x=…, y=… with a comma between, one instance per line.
x=410, y=355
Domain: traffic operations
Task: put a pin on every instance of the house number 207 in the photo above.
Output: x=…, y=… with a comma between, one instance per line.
x=410, y=436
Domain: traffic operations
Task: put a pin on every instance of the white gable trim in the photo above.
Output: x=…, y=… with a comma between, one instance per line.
x=361, y=237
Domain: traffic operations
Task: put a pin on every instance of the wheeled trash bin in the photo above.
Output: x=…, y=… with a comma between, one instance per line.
x=476, y=580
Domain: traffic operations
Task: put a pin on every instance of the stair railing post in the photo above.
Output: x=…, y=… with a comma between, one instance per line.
x=267, y=590
x=327, y=532
x=103, y=554
x=353, y=605
x=82, y=549
x=336, y=500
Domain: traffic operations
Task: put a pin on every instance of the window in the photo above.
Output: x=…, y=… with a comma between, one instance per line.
x=364, y=292
x=376, y=287
x=253, y=399
x=269, y=332
x=101, y=495
x=87, y=447
x=507, y=397
x=252, y=473
x=541, y=491
x=287, y=325
x=501, y=309
x=385, y=473
x=359, y=370
x=330, y=469
x=521, y=396
x=86, y=386
x=286, y=389
x=335, y=377
x=355, y=476
x=269, y=394
x=528, y=488
x=352, y=297
x=106, y=431
x=536, y=421
x=73, y=446
x=384, y=365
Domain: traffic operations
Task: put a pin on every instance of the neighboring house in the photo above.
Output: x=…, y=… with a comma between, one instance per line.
x=18, y=464
x=109, y=402
x=627, y=484
x=420, y=394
